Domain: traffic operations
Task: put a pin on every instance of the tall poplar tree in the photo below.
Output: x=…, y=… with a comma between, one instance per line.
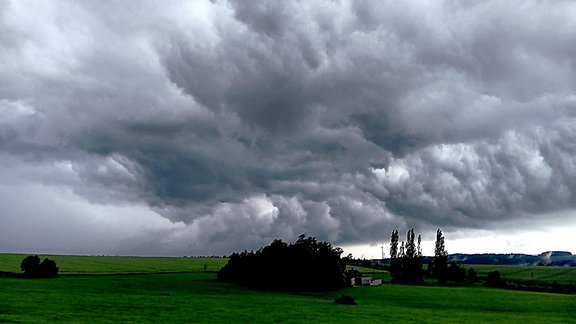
x=412, y=261
x=419, y=248
x=440, y=268
x=394, y=244
x=406, y=262
x=410, y=247
x=395, y=261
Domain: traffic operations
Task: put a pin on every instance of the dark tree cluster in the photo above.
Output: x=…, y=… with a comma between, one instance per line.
x=456, y=273
x=33, y=268
x=406, y=262
x=305, y=265
x=443, y=271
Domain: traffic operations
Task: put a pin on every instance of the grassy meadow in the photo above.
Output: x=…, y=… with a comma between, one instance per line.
x=536, y=274
x=177, y=290
x=78, y=265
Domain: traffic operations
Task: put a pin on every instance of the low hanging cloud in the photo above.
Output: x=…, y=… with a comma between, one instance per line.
x=226, y=124
x=463, y=184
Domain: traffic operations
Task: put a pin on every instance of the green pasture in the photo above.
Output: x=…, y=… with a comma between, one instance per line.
x=196, y=297
x=184, y=293
x=537, y=274
x=565, y=276
x=69, y=264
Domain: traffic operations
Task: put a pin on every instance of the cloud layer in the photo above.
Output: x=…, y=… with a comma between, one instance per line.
x=205, y=127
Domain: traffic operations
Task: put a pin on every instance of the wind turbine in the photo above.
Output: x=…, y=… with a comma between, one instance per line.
x=373, y=244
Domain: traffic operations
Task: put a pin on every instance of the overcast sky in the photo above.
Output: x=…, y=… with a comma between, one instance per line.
x=199, y=128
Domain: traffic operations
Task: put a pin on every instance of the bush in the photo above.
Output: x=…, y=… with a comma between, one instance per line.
x=345, y=300
x=456, y=273
x=30, y=265
x=48, y=269
x=556, y=286
x=472, y=276
x=33, y=268
x=494, y=279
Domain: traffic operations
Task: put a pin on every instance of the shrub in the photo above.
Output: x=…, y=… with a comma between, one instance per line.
x=472, y=276
x=456, y=273
x=33, y=268
x=345, y=300
x=48, y=269
x=30, y=265
x=556, y=286
x=494, y=279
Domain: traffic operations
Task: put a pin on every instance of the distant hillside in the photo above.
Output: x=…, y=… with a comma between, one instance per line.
x=549, y=258
x=553, y=258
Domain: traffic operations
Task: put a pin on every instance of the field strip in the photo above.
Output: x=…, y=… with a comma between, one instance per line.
x=101, y=274
x=556, y=274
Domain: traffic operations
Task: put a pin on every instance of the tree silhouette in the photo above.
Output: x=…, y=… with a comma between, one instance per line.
x=472, y=275
x=406, y=265
x=410, y=246
x=394, y=244
x=305, y=265
x=440, y=265
x=412, y=261
x=48, y=269
x=33, y=268
x=456, y=273
x=30, y=265
x=395, y=262
x=494, y=279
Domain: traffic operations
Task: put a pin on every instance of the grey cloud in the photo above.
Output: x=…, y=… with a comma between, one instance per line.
x=240, y=122
x=482, y=182
x=42, y=214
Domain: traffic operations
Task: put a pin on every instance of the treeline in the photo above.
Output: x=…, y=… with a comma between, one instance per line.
x=406, y=261
x=310, y=265
x=406, y=265
x=305, y=265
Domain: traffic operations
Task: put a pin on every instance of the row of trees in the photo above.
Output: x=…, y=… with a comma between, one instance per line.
x=310, y=265
x=406, y=261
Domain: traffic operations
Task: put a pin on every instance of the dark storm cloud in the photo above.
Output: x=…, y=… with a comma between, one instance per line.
x=241, y=122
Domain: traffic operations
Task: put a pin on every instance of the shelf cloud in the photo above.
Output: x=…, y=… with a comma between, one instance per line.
x=187, y=128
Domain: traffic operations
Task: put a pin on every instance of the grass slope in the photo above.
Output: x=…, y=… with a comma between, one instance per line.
x=196, y=297
x=538, y=274
x=114, y=265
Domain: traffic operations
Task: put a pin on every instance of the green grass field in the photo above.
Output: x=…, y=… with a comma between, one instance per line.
x=189, y=295
x=538, y=274
x=113, y=265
